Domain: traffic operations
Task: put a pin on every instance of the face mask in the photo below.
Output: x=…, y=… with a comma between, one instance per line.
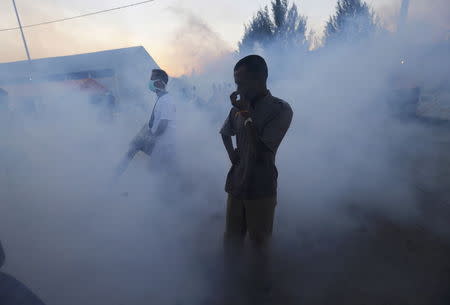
x=152, y=87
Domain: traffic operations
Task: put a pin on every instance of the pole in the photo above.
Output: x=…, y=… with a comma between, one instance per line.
x=21, y=31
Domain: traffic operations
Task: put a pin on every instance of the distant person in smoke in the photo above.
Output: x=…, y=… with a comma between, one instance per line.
x=162, y=122
x=13, y=292
x=259, y=122
x=157, y=137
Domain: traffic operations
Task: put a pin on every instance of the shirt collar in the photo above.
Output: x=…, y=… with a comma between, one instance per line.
x=260, y=99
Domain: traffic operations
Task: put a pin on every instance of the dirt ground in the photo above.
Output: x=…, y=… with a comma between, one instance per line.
x=379, y=263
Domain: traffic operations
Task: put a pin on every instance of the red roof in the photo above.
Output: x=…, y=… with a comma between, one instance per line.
x=93, y=86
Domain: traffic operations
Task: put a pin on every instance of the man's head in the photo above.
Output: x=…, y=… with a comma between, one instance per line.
x=158, y=80
x=250, y=76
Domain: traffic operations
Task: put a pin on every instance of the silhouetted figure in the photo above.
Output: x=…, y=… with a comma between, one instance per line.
x=259, y=121
x=13, y=292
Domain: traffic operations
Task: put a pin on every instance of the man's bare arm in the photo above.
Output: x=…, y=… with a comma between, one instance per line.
x=252, y=136
x=246, y=112
x=228, y=143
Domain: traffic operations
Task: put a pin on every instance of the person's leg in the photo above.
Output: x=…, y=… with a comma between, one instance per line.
x=168, y=168
x=233, y=242
x=163, y=168
x=259, y=216
x=235, y=225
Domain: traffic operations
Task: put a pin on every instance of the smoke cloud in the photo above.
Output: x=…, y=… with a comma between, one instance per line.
x=194, y=44
x=359, y=184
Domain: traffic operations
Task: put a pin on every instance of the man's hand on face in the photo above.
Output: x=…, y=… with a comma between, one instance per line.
x=242, y=104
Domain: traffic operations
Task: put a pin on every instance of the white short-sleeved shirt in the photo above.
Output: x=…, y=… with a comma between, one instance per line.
x=165, y=110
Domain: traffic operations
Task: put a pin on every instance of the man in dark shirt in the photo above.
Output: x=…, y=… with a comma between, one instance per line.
x=259, y=121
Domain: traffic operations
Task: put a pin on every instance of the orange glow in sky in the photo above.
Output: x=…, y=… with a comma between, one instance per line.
x=181, y=36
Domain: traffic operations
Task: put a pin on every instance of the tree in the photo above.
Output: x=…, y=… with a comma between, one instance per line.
x=353, y=21
x=282, y=25
x=258, y=31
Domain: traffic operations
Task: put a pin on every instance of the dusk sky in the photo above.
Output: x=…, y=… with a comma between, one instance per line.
x=179, y=35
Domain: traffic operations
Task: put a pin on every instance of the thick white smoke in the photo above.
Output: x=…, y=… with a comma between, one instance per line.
x=76, y=239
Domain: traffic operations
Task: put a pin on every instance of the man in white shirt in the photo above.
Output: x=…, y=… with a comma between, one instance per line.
x=157, y=138
x=162, y=123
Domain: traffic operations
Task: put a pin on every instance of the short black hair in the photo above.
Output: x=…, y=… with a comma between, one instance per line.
x=161, y=74
x=255, y=64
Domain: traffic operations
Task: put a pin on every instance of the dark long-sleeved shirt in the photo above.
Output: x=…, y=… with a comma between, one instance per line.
x=255, y=175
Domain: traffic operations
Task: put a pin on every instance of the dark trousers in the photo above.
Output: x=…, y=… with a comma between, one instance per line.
x=252, y=216
x=249, y=277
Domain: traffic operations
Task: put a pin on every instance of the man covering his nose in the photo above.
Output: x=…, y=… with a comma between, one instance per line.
x=259, y=122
